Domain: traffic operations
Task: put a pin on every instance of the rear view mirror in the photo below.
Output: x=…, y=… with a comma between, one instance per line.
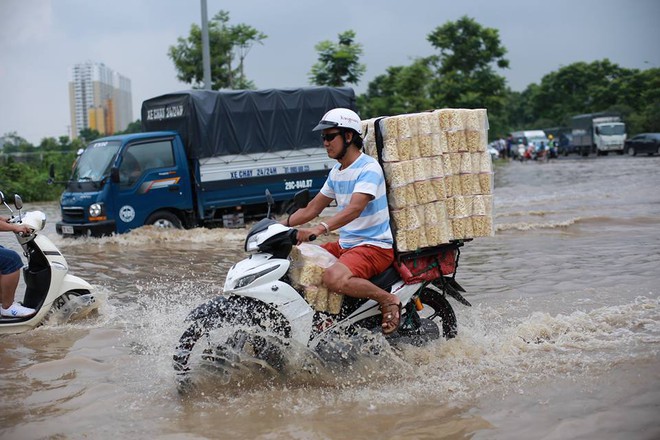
x=18, y=202
x=269, y=198
x=301, y=198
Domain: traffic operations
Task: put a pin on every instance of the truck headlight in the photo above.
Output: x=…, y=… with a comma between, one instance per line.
x=96, y=212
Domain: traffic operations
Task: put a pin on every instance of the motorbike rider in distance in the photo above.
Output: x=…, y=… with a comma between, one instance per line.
x=357, y=183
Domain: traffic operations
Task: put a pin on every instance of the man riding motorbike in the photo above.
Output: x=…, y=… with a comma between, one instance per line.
x=357, y=183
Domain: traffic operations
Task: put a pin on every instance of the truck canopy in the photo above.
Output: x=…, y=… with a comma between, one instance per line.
x=586, y=120
x=217, y=123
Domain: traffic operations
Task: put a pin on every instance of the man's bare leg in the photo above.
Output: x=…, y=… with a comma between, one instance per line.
x=339, y=278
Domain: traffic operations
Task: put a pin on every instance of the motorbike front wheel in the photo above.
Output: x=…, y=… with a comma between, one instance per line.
x=252, y=336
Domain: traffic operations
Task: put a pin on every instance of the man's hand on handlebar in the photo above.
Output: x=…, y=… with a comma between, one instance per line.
x=308, y=234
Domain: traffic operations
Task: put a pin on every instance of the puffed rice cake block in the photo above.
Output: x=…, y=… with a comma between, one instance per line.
x=426, y=124
x=476, y=119
x=447, y=166
x=482, y=226
x=482, y=205
x=406, y=219
x=459, y=206
x=438, y=233
x=470, y=184
x=456, y=141
x=453, y=185
x=402, y=196
x=390, y=132
x=450, y=119
x=455, y=163
x=426, y=146
x=462, y=227
x=407, y=125
x=435, y=167
x=369, y=137
x=466, y=163
x=424, y=192
x=399, y=173
x=476, y=141
x=439, y=188
x=485, y=183
x=311, y=275
x=400, y=241
x=421, y=168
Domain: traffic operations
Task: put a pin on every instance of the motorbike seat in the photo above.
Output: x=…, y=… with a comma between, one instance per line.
x=386, y=279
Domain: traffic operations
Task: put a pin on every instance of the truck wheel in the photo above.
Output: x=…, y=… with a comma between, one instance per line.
x=164, y=219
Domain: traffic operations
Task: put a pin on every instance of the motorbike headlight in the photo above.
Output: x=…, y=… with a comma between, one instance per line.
x=248, y=279
x=95, y=210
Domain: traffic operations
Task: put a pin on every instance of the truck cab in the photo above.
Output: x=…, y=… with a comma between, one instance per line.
x=107, y=192
x=609, y=135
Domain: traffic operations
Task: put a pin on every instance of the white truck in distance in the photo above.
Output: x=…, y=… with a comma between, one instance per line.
x=598, y=133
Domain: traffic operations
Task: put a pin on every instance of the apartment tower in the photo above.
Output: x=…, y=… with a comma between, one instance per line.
x=99, y=99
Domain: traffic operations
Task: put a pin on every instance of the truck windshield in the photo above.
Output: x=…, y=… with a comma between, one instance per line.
x=95, y=162
x=612, y=129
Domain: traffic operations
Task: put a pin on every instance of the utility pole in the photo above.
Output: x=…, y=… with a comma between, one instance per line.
x=206, y=52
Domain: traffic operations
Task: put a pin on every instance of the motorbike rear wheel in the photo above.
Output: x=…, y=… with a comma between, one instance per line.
x=436, y=305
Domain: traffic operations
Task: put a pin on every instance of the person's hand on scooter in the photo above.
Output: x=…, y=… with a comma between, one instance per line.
x=309, y=234
x=21, y=229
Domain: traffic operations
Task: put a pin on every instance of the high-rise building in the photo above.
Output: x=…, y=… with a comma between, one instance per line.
x=100, y=99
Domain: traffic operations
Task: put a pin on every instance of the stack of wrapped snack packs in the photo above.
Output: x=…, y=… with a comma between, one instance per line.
x=308, y=262
x=438, y=173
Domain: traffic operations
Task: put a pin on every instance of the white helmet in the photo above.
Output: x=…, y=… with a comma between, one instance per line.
x=341, y=118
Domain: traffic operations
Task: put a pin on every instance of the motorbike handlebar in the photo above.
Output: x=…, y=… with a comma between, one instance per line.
x=294, y=236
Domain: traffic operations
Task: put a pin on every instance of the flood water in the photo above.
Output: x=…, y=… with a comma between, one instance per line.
x=562, y=341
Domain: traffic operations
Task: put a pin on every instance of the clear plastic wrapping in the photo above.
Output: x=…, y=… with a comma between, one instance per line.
x=308, y=262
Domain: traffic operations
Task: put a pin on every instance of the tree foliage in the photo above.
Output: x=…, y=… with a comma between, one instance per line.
x=402, y=89
x=338, y=63
x=27, y=172
x=227, y=43
x=591, y=87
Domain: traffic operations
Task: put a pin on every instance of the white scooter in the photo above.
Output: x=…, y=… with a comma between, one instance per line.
x=50, y=289
x=261, y=313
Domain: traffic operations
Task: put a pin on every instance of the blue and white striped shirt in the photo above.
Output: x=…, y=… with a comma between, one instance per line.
x=373, y=225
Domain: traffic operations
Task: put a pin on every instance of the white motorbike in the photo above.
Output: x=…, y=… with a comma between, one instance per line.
x=261, y=313
x=50, y=289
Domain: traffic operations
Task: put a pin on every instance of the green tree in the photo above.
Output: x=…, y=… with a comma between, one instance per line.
x=403, y=89
x=593, y=87
x=133, y=127
x=465, y=67
x=87, y=135
x=338, y=63
x=225, y=44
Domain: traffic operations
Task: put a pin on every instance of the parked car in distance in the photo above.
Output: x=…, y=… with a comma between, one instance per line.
x=648, y=143
x=494, y=154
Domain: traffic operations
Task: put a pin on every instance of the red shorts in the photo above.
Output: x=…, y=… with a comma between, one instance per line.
x=363, y=261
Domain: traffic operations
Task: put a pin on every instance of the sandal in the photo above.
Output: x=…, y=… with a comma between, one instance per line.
x=391, y=318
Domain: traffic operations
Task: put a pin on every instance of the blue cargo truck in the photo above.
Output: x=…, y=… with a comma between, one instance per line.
x=204, y=158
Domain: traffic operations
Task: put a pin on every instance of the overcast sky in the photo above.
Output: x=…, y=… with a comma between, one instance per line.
x=41, y=39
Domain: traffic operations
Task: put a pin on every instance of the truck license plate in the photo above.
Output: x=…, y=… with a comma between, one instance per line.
x=68, y=230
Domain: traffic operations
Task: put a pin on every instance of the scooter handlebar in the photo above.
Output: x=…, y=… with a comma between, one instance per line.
x=294, y=236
